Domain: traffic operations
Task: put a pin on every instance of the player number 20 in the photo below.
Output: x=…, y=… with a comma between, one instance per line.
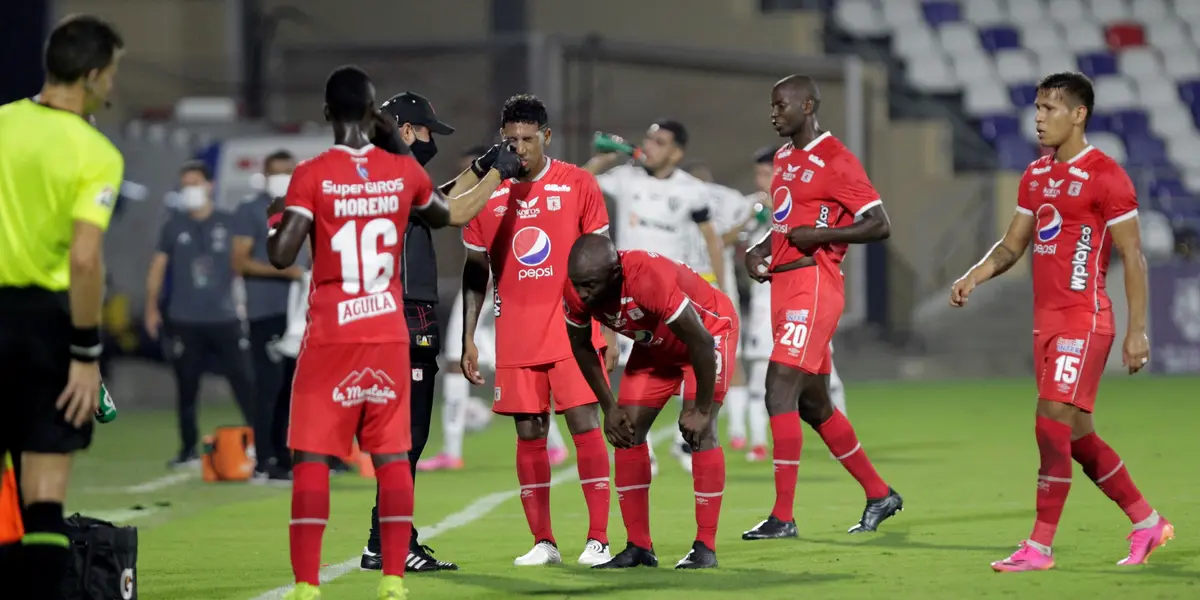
x=794, y=335
x=1066, y=369
x=364, y=267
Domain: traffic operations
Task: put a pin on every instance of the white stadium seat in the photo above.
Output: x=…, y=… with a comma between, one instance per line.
x=1185, y=152
x=1191, y=180
x=1169, y=121
x=987, y=97
x=932, y=74
x=960, y=38
x=1109, y=143
x=1140, y=63
x=1085, y=37
x=1156, y=91
x=1026, y=12
x=1115, y=93
x=1029, y=123
x=915, y=41
x=1189, y=10
x=1181, y=65
x=1067, y=11
x=1108, y=11
x=898, y=14
x=1043, y=36
x=1056, y=62
x=1016, y=66
x=982, y=13
x=970, y=68
x=1166, y=35
x=1149, y=11
x=860, y=18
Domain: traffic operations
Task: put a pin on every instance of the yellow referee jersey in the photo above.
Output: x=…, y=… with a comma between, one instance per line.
x=55, y=169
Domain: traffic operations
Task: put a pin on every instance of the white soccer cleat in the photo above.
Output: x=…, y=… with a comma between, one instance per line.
x=594, y=553
x=543, y=553
x=684, y=457
x=653, y=462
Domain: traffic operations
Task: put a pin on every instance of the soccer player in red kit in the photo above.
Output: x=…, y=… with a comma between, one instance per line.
x=822, y=202
x=523, y=235
x=685, y=332
x=352, y=204
x=1075, y=205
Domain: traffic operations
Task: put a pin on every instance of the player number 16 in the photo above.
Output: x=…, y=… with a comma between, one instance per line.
x=1066, y=369
x=364, y=267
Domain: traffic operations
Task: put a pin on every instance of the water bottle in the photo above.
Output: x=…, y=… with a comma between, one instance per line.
x=106, y=412
x=607, y=142
x=762, y=214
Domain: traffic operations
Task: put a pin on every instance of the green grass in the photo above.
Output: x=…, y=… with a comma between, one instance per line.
x=962, y=454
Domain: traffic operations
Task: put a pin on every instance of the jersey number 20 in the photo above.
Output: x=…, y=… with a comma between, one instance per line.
x=794, y=335
x=364, y=267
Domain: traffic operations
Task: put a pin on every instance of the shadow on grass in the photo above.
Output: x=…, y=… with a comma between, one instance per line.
x=575, y=583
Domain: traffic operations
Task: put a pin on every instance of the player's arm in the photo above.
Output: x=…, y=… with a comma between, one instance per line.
x=702, y=217
x=1003, y=255
x=1119, y=210
x=91, y=213
x=474, y=289
x=472, y=175
x=456, y=211
x=579, y=331
x=687, y=326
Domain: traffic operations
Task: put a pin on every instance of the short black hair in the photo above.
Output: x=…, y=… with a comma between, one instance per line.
x=196, y=166
x=676, y=128
x=279, y=154
x=765, y=155
x=476, y=151
x=1075, y=86
x=348, y=94
x=524, y=108
x=79, y=45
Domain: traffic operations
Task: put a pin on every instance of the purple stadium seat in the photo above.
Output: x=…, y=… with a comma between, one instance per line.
x=1096, y=64
x=1168, y=188
x=1145, y=151
x=999, y=38
x=1023, y=94
x=937, y=13
x=1101, y=122
x=1190, y=92
x=1129, y=123
x=1014, y=152
x=997, y=126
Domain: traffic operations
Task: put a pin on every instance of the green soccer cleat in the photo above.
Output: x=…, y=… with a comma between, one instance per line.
x=304, y=591
x=391, y=587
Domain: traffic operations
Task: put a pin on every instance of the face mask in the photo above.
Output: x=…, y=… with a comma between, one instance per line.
x=277, y=185
x=423, y=151
x=193, y=197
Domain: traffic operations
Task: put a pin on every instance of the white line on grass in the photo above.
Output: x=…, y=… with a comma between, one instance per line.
x=120, y=516
x=473, y=512
x=153, y=485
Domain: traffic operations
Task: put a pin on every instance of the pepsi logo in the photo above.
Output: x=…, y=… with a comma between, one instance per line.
x=1049, y=223
x=531, y=246
x=782, y=198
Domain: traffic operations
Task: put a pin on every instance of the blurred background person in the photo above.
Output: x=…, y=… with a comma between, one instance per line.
x=195, y=245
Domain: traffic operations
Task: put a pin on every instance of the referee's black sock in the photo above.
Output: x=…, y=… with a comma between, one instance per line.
x=45, y=548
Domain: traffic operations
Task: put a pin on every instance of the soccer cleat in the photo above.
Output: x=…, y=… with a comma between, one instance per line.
x=371, y=561
x=772, y=528
x=757, y=454
x=391, y=587
x=303, y=591
x=1142, y=542
x=421, y=560
x=1026, y=558
x=557, y=456
x=653, y=462
x=737, y=443
x=699, y=557
x=186, y=459
x=543, y=553
x=877, y=511
x=683, y=453
x=631, y=557
x=594, y=553
x=441, y=462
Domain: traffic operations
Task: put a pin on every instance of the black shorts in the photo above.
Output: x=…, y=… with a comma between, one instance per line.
x=35, y=340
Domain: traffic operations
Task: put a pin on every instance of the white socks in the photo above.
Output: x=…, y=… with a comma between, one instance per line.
x=837, y=391
x=1148, y=522
x=735, y=409
x=456, y=391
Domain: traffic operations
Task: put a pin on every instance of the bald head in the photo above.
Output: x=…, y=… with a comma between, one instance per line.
x=591, y=255
x=801, y=87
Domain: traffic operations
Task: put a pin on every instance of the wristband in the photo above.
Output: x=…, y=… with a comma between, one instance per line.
x=274, y=220
x=477, y=170
x=85, y=344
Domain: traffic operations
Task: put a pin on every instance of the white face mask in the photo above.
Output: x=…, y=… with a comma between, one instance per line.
x=277, y=185
x=193, y=197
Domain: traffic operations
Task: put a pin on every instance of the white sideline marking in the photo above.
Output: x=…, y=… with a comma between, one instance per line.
x=154, y=485
x=120, y=516
x=473, y=512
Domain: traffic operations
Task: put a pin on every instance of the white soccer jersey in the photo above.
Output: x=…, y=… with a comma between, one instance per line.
x=485, y=332
x=729, y=209
x=656, y=215
x=759, y=335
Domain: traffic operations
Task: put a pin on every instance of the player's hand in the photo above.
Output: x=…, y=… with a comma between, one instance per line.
x=758, y=267
x=81, y=397
x=508, y=163
x=276, y=206
x=486, y=161
x=382, y=124
x=612, y=355
x=1137, y=351
x=694, y=424
x=961, y=290
x=470, y=364
x=153, y=322
x=618, y=428
x=805, y=237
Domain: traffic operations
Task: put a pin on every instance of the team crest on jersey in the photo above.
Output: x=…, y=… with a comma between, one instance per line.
x=362, y=171
x=1069, y=346
x=1074, y=188
x=674, y=203
x=553, y=202
x=369, y=385
x=797, y=316
x=495, y=394
x=107, y=197
x=636, y=313
x=806, y=176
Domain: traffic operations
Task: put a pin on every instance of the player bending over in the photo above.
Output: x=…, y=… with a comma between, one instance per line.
x=522, y=236
x=1079, y=203
x=353, y=201
x=822, y=202
x=685, y=332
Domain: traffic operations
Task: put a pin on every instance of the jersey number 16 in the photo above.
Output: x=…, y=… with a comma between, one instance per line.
x=364, y=267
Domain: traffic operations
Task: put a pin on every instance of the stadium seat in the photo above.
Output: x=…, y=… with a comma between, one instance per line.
x=1145, y=151
x=959, y=38
x=1181, y=64
x=994, y=127
x=1100, y=122
x=913, y=42
x=1067, y=12
x=860, y=18
x=939, y=13
x=1015, y=152
x=1108, y=11
x=932, y=75
x=1189, y=91
x=1168, y=35
x=1056, y=62
x=1085, y=37
x=1027, y=12
x=971, y=68
x=1139, y=63
x=1000, y=37
x=1128, y=122
x=1168, y=188
x=1149, y=11
x=1124, y=35
x=986, y=97
x=1110, y=143
x=1097, y=64
x=984, y=13
x=1156, y=92
x=1188, y=10
x=1185, y=152
x=1191, y=180
x=1028, y=123
x=1016, y=66
x=1171, y=121
x=1115, y=93
x=1022, y=94
x=901, y=14
x=1042, y=37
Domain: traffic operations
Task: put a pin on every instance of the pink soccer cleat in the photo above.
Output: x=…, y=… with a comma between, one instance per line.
x=441, y=462
x=737, y=443
x=1026, y=558
x=1142, y=542
x=757, y=454
x=557, y=456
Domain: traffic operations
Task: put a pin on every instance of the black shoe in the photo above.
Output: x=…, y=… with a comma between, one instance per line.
x=371, y=561
x=700, y=557
x=877, y=511
x=421, y=560
x=338, y=466
x=185, y=459
x=771, y=529
x=632, y=556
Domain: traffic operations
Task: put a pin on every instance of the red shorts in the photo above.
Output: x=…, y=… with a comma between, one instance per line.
x=528, y=390
x=648, y=382
x=1069, y=365
x=347, y=390
x=805, y=311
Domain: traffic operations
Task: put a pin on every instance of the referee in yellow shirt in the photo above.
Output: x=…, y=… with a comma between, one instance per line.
x=58, y=184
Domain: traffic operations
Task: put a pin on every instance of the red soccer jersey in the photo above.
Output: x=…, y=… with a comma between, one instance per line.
x=654, y=293
x=1074, y=202
x=359, y=201
x=820, y=185
x=527, y=230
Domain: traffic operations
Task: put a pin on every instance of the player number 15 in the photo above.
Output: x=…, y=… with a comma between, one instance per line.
x=1066, y=369
x=364, y=267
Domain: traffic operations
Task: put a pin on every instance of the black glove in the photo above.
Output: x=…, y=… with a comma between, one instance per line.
x=480, y=166
x=507, y=162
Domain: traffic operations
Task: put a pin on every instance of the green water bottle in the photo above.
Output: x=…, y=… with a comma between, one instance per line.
x=762, y=214
x=107, y=411
x=607, y=142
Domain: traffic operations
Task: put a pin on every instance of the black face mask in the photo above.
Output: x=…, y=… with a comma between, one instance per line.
x=423, y=151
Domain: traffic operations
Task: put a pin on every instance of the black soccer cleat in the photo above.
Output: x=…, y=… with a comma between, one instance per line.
x=877, y=511
x=420, y=560
x=700, y=557
x=371, y=561
x=631, y=557
x=771, y=529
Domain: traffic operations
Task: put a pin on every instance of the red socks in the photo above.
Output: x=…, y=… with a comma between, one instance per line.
x=843, y=443
x=786, y=439
x=633, y=492
x=593, y=476
x=395, y=514
x=708, y=480
x=533, y=473
x=1054, y=477
x=1102, y=465
x=310, y=513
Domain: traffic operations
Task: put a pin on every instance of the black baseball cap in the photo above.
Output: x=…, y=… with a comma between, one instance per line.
x=410, y=107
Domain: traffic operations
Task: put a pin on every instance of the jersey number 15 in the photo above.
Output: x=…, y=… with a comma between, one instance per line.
x=364, y=267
